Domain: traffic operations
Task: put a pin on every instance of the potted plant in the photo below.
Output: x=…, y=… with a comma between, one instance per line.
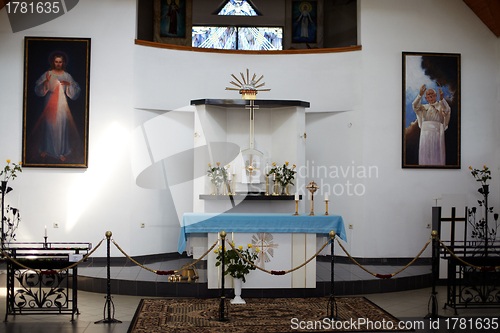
x=284, y=176
x=237, y=267
x=9, y=225
x=481, y=230
x=218, y=176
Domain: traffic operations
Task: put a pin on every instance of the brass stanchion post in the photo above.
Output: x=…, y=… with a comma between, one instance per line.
x=109, y=302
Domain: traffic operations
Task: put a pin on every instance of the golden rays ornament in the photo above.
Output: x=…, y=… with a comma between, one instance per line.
x=247, y=87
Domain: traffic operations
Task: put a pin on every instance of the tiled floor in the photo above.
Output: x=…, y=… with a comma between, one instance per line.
x=407, y=305
x=410, y=305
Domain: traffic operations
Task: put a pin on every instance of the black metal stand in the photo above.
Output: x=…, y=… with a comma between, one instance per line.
x=485, y=192
x=4, y=191
x=109, y=302
x=332, y=304
x=42, y=289
x=223, y=315
x=433, y=302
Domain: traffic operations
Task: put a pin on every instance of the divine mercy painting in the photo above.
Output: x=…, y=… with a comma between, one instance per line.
x=56, y=102
x=431, y=110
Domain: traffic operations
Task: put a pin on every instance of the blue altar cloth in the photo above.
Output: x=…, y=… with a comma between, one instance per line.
x=232, y=222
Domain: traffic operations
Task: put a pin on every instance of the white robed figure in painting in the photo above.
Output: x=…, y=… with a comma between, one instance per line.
x=55, y=85
x=305, y=19
x=433, y=119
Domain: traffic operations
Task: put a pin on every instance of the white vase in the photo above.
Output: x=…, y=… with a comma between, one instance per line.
x=237, y=292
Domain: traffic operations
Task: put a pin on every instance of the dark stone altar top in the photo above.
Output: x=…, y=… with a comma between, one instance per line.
x=262, y=103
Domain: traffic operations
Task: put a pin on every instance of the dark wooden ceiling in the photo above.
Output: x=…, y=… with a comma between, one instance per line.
x=487, y=10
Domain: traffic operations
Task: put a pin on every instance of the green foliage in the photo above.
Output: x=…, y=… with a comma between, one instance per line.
x=234, y=264
x=217, y=174
x=284, y=174
x=481, y=175
x=10, y=171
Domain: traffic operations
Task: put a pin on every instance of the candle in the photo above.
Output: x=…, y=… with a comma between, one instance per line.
x=45, y=231
x=274, y=176
x=297, y=198
x=326, y=196
x=267, y=167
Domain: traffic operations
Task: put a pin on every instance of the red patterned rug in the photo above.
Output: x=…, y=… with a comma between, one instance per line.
x=260, y=315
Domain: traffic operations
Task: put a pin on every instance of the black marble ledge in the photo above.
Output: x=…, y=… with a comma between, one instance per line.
x=200, y=290
x=262, y=103
x=249, y=197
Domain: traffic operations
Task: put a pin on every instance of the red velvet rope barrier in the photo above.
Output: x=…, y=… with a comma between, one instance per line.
x=488, y=269
x=165, y=272
x=384, y=276
x=48, y=272
x=278, y=272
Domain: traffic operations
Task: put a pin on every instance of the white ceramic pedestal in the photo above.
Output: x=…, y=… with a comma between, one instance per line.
x=237, y=292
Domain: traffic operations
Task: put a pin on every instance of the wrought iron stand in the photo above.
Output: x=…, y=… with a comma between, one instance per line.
x=31, y=292
x=470, y=287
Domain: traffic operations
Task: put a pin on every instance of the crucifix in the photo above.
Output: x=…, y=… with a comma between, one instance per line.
x=254, y=154
x=312, y=187
x=251, y=150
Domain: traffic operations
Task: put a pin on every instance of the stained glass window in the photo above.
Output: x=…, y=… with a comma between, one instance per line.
x=238, y=38
x=214, y=37
x=266, y=39
x=238, y=8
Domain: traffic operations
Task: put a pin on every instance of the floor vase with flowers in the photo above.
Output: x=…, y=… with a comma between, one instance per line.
x=237, y=283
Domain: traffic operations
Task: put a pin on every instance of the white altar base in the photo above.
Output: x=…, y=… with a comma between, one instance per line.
x=289, y=250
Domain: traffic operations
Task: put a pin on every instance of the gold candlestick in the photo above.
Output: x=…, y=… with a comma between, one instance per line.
x=234, y=188
x=274, y=187
x=312, y=187
x=224, y=187
x=296, y=207
x=267, y=184
x=326, y=211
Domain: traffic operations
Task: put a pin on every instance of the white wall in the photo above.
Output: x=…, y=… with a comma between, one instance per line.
x=86, y=203
x=395, y=216
x=389, y=219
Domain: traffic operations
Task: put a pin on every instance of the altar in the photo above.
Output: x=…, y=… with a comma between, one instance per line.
x=245, y=148
x=284, y=240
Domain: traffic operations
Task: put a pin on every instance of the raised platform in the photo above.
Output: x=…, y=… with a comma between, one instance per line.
x=130, y=279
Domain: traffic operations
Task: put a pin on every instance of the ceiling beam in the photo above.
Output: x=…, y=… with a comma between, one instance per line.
x=488, y=11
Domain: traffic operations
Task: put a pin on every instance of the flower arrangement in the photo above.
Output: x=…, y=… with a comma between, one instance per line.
x=10, y=171
x=217, y=174
x=481, y=175
x=483, y=231
x=284, y=174
x=9, y=224
x=480, y=230
x=234, y=264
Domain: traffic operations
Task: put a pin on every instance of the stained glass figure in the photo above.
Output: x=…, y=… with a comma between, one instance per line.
x=238, y=8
